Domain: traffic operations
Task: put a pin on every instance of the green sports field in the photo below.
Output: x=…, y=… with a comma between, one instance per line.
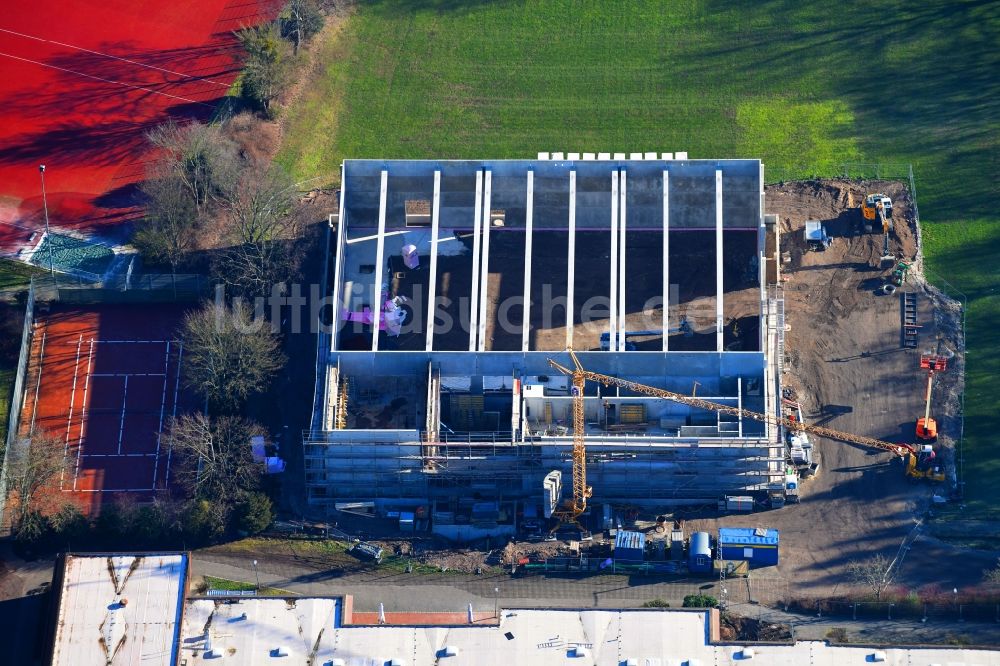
x=806, y=86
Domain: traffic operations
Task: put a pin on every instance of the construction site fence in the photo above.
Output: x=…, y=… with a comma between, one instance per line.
x=16, y=400
x=602, y=565
x=145, y=288
x=908, y=609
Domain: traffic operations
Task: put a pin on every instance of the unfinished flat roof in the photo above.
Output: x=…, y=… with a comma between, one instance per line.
x=120, y=609
x=309, y=628
x=536, y=255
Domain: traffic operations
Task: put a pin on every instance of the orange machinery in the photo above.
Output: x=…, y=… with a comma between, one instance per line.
x=926, y=426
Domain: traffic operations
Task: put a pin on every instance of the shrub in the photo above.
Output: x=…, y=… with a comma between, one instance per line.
x=700, y=601
x=256, y=513
x=656, y=603
x=837, y=635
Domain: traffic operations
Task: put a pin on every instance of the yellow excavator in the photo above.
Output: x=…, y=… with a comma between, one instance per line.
x=920, y=461
x=879, y=207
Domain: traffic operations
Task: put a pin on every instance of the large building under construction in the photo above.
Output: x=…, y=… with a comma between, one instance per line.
x=455, y=282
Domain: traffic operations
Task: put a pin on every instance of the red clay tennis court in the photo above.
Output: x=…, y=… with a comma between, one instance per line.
x=106, y=381
x=80, y=85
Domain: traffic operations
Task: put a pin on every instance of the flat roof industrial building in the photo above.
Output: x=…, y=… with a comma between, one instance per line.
x=313, y=631
x=453, y=284
x=133, y=609
x=119, y=609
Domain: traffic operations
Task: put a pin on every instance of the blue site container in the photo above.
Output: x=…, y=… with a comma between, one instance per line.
x=630, y=546
x=700, y=553
x=757, y=546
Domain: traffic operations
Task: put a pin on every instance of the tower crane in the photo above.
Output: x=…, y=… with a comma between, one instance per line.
x=570, y=511
x=917, y=459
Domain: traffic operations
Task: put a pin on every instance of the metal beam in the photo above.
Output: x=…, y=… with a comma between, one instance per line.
x=376, y=304
x=762, y=262
x=528, y=222
x=666, y=260
x=719, y=346
x=476, y=232
x=484, y=275
x=571, y=260
x=338, y=271
x=621, y=266
x=613, y=307
x=432, y=281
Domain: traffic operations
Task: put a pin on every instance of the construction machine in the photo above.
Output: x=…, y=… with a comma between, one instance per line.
x=899, y=273
x=926, y=426
x=878, y=207
x=580, y=376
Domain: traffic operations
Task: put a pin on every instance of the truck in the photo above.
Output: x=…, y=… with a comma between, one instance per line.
x=816, y=236
x=802, y=457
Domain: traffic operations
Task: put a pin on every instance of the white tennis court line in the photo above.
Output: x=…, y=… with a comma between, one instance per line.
x=83, y=414
x=38, y=383
x=108, y=55
x=163, y=409
x=69, y=418
x=177, y=384
x=121, y=425
x=111, y=81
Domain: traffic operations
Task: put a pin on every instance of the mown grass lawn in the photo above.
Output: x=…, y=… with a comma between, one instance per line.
x=806, y=86
x=14, y=274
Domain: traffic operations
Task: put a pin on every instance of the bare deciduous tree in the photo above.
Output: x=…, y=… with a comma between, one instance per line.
x=260, y=230
x=215, y=458
x=875, y=572
x=229, y=355
x=168, y=232
x=33, y=464
x=199, y=156
x=300, y=21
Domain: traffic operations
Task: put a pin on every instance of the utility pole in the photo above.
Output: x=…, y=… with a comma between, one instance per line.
x=45, y=206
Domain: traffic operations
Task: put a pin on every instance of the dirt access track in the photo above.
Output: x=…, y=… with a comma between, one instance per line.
x=845, y=359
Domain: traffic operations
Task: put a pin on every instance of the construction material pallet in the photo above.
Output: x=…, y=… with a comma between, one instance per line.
x=910, y=325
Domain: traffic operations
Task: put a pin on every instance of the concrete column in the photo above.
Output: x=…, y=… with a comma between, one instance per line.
x=376, y=304
x=613, y=313
x=528, y=222
x=571, y=260
x=762, y=261
x=739, y=405
x=666, y=260
x=338, y=271
x=484, y=275
x=621, y=267
x=476, y=234
x=432, y=282
x=719, y=346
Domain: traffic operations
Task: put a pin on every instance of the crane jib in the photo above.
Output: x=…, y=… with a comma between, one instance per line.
x=607, y=380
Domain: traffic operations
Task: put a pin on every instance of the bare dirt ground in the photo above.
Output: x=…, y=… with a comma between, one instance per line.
x=846, y=362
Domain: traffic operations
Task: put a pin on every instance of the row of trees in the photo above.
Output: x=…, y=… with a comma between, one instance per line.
x=202, y=191
x=215, y=468
x=267, y=67
x=199, y=186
